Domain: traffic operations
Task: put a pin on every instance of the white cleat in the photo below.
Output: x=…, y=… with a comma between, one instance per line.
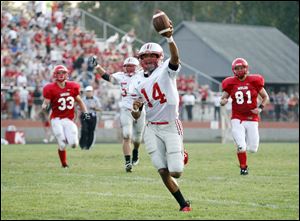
x=134, y=163
x=128, y=167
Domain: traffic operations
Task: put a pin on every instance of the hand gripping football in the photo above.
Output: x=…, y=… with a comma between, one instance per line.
x=161, y=22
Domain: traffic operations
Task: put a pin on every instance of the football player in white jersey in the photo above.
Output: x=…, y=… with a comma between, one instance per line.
x=157, y=91
x=132, y=129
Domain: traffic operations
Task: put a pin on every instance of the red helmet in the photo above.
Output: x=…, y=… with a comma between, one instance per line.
x=60, y=73
x=240, y=62
x=149, y=64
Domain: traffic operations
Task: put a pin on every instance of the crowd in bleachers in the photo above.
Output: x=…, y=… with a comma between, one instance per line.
x=41, y=36
x=45, y=34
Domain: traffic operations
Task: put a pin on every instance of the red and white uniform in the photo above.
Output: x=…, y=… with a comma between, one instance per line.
x=131, y=128
x=244, y=99
x=163, y=133
x=244, y=95
x=159, y=93
x=124, y=81
x=62, y=99
x=62, y=102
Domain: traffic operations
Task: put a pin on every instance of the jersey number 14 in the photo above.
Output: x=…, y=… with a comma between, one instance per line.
x=156, y=95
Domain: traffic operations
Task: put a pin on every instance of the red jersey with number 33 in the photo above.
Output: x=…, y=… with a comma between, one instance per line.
x=62, y=100
x=244, y=95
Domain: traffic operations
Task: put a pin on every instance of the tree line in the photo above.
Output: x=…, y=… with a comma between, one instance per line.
x=284, y=15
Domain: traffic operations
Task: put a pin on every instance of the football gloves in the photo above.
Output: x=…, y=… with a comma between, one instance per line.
x=92, y=61
x=86, y=116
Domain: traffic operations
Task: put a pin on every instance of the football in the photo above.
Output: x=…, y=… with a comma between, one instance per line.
x=161, y=22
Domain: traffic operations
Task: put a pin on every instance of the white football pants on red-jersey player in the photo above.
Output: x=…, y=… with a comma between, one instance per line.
x=245, y=135
x=65, y=132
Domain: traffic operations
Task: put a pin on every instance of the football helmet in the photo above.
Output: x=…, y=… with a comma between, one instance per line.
x=150, y=63
x=240, y=62
x=60, y=73
x=130, y=65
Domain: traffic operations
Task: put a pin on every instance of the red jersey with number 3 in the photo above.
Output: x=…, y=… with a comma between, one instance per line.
x=244, y=95
x=62, y=100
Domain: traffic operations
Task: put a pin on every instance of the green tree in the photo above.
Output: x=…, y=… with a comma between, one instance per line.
x=125, y=15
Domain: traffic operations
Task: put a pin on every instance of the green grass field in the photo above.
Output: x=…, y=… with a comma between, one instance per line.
x=96, y=186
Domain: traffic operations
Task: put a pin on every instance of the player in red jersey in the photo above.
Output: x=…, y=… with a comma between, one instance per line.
x=244, y=89
x=61, y=96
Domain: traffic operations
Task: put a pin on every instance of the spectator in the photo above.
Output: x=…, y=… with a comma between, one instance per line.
x=189, y=100
x=204, y=95
x=16, y=104
x=216, y=99
x=24, y=95
x=37, y=100
x=30, y=103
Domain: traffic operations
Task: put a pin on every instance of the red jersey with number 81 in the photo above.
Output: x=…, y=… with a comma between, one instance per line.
x=244, y=95
x=62, y=100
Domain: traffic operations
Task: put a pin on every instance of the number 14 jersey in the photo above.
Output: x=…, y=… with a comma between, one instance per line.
x=158, y=92
x=244, y=95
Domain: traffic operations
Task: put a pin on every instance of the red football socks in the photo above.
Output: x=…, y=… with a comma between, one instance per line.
x=63, y=157
x=243, y=159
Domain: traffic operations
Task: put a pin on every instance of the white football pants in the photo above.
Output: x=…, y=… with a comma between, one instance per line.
x=245, y=135
x=65, y=132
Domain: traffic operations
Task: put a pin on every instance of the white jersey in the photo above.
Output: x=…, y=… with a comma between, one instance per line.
x=124, y=81
x=159, y=93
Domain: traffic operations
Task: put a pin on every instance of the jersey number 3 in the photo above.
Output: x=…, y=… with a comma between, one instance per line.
x=67, y=102
x=239, y=96
x=156, y=95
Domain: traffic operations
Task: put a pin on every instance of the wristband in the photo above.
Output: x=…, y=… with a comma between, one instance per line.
x=261, y=106
x=105, y=76
x=141, y=107
x=170, y=39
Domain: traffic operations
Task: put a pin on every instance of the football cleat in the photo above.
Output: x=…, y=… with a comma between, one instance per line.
x=187, y=208
x=135, y=157
x=244, y=171
x=135, y=162
x=128, y=167
x=65, y=166
x=185, y=157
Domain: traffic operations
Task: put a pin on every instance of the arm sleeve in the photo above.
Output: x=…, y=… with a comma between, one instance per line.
x=173, y=70
x=225, y=86
x=260, y=82
x=47, y=92
x=76, y=90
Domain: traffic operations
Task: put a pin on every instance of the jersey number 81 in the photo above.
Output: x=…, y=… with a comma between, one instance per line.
x=239, y=96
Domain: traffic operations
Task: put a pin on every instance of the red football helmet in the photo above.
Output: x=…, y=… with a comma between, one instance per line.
x=240, y=62
x=150, y=63
x=60, y=73
x=130, y=65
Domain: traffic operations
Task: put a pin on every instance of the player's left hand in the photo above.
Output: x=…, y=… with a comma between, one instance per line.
x=86, y=116
x=92, y=61
x=256, y=110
